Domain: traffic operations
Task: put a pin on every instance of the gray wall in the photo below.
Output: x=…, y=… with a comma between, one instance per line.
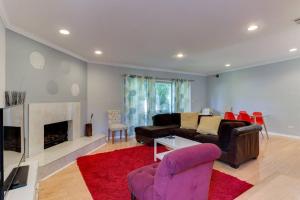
x=105, y=90
x=2, y=63
x=273, y=89
x=51, y=84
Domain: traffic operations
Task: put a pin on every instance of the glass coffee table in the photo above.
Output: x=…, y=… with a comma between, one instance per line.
x=173, y=143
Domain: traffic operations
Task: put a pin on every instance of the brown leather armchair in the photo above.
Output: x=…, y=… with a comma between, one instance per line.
x=238, y=140
x=243, y=145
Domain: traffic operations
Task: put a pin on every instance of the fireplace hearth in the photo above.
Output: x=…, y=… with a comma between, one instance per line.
x=55, y=134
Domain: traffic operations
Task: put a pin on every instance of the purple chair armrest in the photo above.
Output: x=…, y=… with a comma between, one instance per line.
x=186, y=158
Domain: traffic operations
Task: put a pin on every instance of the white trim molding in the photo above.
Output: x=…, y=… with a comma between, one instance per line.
x=283, y=135
x=146, y=68
x=20, y=31
x=10, y=26
x=259, y=64
x=45, y=42
x=3, y=14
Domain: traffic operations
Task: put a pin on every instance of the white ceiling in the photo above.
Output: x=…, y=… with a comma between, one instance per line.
x=147, y=33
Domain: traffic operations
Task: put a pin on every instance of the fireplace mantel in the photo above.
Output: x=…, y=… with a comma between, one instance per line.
x=41, y=114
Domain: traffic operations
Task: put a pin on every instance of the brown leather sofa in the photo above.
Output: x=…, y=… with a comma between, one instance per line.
x=238, y=140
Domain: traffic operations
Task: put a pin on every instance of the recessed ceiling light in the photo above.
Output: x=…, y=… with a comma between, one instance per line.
x=293, y=50
x=180, y=55
x=252, y=27
x=98, y=52
x=64, y=32
x=228, y=65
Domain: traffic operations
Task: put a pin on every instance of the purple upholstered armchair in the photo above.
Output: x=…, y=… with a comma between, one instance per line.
x=183, y=174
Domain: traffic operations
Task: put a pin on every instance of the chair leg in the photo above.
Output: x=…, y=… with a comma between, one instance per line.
x=108, y=135
x=266, y=130
x=132, y=197
x=126, y=135
x=262, y=134
x=121, y=134
x=113, y=137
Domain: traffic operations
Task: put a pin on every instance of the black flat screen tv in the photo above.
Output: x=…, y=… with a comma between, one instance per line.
x=12, y=149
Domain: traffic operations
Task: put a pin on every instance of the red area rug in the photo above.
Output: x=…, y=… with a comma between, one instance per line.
x=105, y=175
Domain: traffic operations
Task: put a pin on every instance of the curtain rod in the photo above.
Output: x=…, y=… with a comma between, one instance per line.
x=169, y=79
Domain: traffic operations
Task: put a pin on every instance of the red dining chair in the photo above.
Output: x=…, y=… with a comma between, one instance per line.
x=259, y=119
x=257, y=114
x=245, y=117
x=243, y=111
x=229, y=116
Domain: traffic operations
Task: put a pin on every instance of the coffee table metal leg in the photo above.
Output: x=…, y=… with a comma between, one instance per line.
x=155, y=150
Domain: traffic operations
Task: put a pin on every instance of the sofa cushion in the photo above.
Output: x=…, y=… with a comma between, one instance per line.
x=209, y=125
x=207, y=138
x=189, y=120
x=155, y=131
x=176, y=118
x=162, y=120
x=185, y=133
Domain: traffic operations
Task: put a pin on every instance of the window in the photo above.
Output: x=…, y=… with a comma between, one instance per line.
x=163, y=97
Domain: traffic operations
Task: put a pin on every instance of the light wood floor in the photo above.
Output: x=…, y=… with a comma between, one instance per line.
x=278, y=155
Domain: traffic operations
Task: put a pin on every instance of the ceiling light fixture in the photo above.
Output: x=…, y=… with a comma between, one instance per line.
x=64, y=32
x=228, y=65
x=179, y=55
x=293, y=50
x=98, y=52
x=252, y=27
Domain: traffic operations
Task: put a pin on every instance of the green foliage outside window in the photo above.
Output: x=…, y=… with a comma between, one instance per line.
x=163, y=97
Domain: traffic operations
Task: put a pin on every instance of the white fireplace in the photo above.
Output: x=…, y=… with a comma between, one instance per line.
x=41, y=114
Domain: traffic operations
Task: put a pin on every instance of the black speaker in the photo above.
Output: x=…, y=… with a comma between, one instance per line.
x=217, y=75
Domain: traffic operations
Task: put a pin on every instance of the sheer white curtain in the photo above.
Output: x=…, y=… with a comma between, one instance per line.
x=139, y=101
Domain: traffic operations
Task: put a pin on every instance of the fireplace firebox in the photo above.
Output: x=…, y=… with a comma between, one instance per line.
x=55, y=134
x=12, y=138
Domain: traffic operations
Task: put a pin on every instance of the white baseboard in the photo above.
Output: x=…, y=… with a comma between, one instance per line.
x=53, y=173
x=283, y=135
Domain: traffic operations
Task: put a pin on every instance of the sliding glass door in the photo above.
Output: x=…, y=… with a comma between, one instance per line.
x=163, y=97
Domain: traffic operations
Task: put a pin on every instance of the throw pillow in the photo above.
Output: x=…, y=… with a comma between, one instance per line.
x=189, y=120
x=209, y=125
